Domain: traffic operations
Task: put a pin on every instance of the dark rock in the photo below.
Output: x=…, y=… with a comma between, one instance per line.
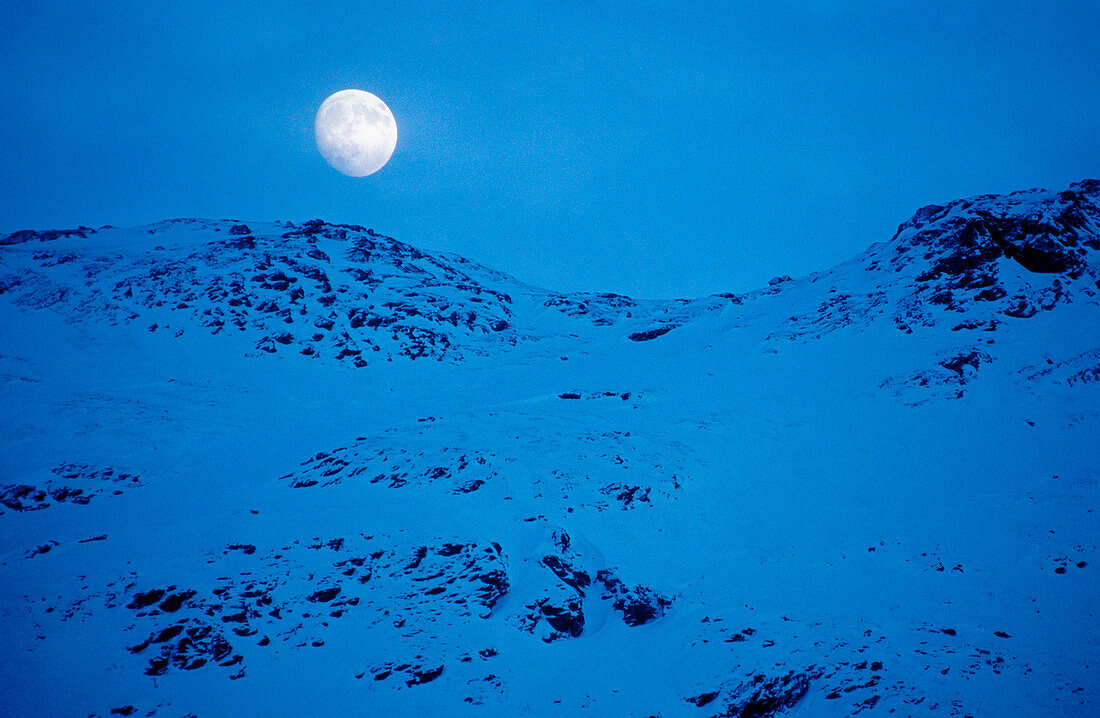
x=421, y=677
x=991, y=294
x=577, y=580
x=769, y=697
x=494, y=587
x=628, y=494
x=245, y=242
x=450, y=549
x=652, y=333
x=567, y=619
x=1021, y=308
x=46, y=235
x=324, y=595
x=23, y=235
x=418, y=556
x=972, y=359
x=703, y=699
x=144, y=600
x=470, y=486
x=941, y=297
x=173, y=602
x=167, y=634
x=1044, y=255
x=638, y=605
x=199, y=646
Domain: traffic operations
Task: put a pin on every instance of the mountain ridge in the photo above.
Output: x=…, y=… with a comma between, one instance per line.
x=969, y=237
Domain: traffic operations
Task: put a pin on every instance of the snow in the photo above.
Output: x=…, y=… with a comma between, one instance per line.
x=799, y=475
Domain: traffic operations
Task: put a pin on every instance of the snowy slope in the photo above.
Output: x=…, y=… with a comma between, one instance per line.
x=310, y=470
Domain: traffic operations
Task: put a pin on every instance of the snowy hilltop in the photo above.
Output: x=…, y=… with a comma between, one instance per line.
x=306, y=469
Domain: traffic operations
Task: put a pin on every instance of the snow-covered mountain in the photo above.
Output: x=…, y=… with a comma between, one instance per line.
x=306, y=469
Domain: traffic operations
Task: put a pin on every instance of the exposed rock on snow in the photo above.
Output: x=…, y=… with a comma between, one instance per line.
x=870, y=491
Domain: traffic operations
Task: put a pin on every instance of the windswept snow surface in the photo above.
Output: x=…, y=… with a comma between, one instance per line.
x=305, y=469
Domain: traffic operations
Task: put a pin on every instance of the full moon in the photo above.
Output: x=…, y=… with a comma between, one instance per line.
x=356, y=132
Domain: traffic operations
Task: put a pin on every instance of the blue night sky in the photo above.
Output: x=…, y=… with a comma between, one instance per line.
x=637, y=147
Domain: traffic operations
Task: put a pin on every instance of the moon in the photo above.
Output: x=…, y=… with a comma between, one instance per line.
x=356, y=132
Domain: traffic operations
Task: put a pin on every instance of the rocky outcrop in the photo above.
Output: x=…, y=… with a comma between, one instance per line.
x=45, y=235
x=969, y=264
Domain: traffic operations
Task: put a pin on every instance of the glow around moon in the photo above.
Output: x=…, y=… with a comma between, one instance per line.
x=356, y=132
